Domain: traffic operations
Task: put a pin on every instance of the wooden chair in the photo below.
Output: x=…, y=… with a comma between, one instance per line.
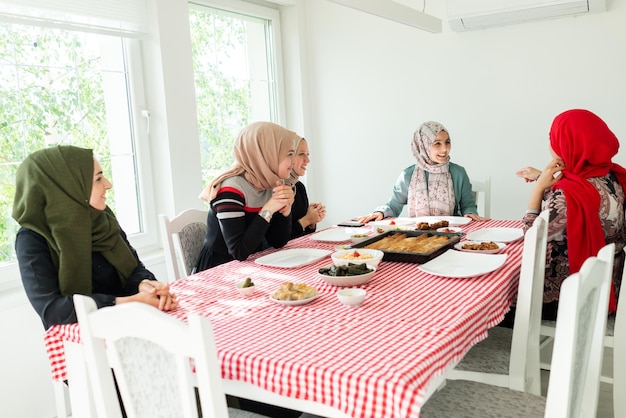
x=150, y=354
x=182, y=237
x=619, y=347
x=575, y=378
x=510, y=357
x=482, y=195
x=547, y=331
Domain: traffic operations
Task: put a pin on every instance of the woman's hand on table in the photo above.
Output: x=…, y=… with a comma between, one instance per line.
x=374, y=216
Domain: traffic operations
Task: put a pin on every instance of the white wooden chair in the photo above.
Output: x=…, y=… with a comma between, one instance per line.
x=619, y=360
x=182, y=238
x=547, y=331
x=482, y=195
x=575, y=378
x=150, y=354
x=510, y=357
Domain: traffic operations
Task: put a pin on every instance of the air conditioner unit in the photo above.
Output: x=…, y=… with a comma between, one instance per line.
x=477, y=14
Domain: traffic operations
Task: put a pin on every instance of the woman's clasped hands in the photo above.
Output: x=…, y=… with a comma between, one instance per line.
x=281, y=200
x=155, y=293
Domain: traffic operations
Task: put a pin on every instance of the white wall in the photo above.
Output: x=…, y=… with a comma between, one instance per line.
x=497, y=90
x=367, y=84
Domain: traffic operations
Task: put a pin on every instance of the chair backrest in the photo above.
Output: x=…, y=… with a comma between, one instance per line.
x=182, y=238
x=619, y=346
x=150, y=354
x=524, y=368
x=578, y=342
x=482, y=196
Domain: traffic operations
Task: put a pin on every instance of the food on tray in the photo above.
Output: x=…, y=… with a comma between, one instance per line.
x=355, y=255
x=423, y=226
x=424, y=243
x=448, y=230
x=351, y=269
x=294, y=291
x=480, y=246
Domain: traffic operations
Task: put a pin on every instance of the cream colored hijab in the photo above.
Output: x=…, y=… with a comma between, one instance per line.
x=259, y=149
x=293, y=178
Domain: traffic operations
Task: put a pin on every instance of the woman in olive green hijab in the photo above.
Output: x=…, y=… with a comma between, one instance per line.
x=70, y=241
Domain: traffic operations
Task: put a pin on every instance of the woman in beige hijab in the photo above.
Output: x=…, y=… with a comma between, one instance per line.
x=250, y=204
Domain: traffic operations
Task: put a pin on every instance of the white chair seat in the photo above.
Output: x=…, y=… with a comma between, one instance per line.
x=479, y=400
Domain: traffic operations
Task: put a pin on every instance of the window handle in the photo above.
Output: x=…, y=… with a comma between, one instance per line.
x=146, y=114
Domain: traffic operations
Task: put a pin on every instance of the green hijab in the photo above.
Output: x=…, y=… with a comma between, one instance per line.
x=52, y=192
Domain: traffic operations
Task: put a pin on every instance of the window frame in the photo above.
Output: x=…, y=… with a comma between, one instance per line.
x=263, y=12
x=148, y=238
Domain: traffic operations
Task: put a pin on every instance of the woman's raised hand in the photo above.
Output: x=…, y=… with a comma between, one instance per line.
x=281, y=200
x=528, y=174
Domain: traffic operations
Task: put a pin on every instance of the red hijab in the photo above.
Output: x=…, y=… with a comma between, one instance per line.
x=586, y=145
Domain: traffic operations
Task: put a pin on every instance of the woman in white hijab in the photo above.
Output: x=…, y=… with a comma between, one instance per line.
x=434, y=186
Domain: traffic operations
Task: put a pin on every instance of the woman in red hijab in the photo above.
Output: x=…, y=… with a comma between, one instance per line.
x=584, y=192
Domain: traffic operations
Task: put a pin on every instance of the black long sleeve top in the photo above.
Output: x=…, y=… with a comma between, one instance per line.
x=298, y=210
x=41, y=281
x=234, y=228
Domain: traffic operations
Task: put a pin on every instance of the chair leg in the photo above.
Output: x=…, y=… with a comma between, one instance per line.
x=61, y=397
x=545, y=352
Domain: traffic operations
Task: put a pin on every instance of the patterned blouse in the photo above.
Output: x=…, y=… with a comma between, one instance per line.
x=611, y=216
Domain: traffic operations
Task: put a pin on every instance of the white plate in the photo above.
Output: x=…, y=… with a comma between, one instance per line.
x=452, y=220
x=293, y=257
x=294, y=302
x=332, y=235
x=450, y=229
x=496, y=234
x=459, y=264
x=459, y=246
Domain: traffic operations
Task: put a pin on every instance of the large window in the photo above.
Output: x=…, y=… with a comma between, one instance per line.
x=65, y=87
x=235, y=58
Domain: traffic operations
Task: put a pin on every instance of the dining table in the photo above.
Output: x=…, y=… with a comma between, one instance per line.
x=381, y=359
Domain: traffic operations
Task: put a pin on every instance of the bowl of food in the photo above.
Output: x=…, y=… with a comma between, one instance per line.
x=356, y=256
x=356, y=238
x=390, y=225
x=351, y=297
x=347, y=275
x=245, y=287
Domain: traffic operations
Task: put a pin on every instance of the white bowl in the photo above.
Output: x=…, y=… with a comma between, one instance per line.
x=352, y=297
x=373, y=261
x=245, y=291
x=356, y=238
x=355, y=280
x=390, y=225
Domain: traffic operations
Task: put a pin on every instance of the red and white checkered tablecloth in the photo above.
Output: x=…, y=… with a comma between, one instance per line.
x=373, y=361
